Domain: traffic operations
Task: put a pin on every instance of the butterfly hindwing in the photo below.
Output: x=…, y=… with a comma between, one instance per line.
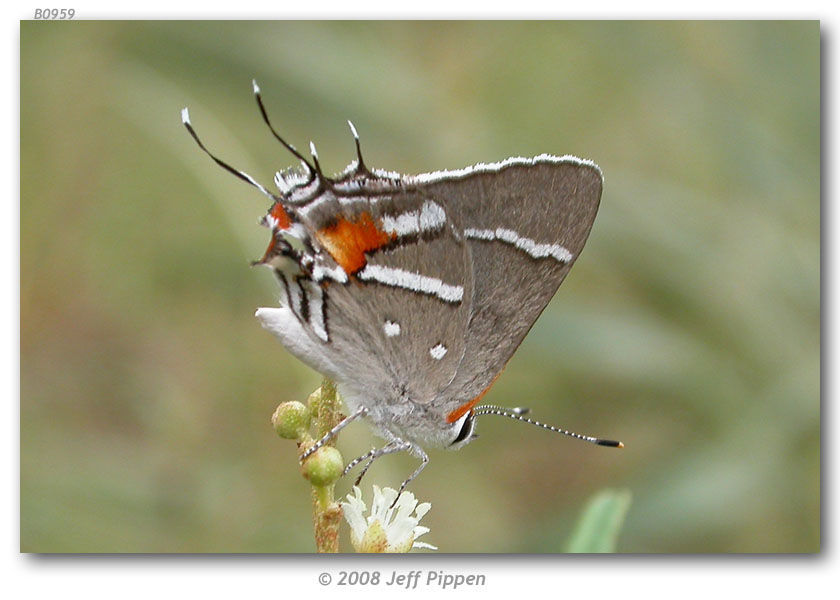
x=392, y=328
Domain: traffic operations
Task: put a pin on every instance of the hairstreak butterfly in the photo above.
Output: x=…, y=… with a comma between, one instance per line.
x=413, y=292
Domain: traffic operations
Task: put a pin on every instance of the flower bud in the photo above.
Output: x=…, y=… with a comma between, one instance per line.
x=291, y=420
x=324, y=467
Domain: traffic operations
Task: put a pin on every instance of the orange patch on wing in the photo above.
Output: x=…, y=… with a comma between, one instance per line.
x=347, y=241
x=463, y=409
x=281, y=216
x=467, y=406
x=281, y=222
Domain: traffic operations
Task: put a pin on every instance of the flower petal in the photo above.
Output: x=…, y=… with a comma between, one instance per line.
x=386, y=528
x=424, y=545
x=354, y=509
x=422, y=509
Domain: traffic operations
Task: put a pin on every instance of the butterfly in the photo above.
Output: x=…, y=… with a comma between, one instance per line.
x=413, y=292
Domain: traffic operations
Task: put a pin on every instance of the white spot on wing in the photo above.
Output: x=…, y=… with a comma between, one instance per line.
x=438, y=352
x=412, y=281
x=391, y=328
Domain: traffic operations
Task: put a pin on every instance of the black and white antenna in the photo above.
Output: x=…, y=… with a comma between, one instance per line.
x=516, y=413
x=287, y=145
x=185, y=119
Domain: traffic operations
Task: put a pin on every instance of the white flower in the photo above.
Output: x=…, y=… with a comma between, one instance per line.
x=385, y=529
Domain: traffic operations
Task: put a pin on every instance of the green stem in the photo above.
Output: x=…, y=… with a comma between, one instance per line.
x=325, y=406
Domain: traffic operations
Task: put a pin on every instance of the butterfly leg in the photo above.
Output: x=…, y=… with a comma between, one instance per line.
x=374, y=453
x=417, y=450
x=333, y=432
x=357, y=460
x=389, y=448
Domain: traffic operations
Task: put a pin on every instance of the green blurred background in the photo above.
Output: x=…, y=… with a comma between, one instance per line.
x=689, y=328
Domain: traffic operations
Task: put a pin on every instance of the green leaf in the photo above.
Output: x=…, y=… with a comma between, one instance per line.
x=599, y=526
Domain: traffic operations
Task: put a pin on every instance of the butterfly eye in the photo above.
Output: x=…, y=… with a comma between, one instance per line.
x=466, y=425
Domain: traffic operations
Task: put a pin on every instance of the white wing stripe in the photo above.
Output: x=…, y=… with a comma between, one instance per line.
x=527, y=245
x=414, y=282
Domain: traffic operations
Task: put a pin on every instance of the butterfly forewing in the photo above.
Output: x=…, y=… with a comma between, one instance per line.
x=525, y=225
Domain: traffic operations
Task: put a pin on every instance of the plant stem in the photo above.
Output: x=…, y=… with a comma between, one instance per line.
x=326, y=517
x=325, y=406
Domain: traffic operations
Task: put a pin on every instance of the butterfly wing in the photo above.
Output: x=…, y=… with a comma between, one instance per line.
x=432, y=281
x=525, y=223
x=441, y=277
